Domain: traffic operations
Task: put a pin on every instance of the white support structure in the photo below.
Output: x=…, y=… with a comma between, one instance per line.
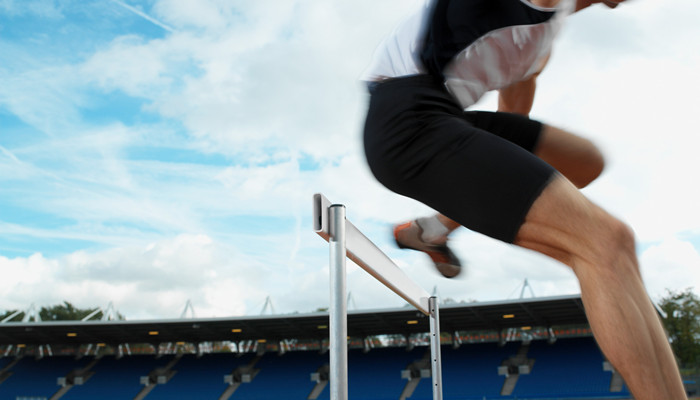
x=347, y=241
x=9, y=317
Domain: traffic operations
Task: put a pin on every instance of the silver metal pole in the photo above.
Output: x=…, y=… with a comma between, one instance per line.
x=436, y=363
x=347, y=241
x=338, y=307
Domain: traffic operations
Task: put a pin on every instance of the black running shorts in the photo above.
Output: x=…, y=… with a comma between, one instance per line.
x=476, y=168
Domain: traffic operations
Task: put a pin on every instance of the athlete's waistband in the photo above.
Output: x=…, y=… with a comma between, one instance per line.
x=420, y=79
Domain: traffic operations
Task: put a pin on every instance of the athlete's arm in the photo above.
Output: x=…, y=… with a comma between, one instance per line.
x=518, y=97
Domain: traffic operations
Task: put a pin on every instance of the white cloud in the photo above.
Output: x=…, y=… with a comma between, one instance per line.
x=208, y=15
x=42, y=97
x=136, y=67
x=256, y=73
x=39, y=8
x=672, y=264
x=153, y=281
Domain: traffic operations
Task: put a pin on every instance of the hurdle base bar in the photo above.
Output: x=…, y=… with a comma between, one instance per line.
x=347, y=241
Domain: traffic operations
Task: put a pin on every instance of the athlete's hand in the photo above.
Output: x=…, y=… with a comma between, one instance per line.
x=612, y=3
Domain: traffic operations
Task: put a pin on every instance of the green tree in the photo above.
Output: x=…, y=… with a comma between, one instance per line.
x=63, y=312
x=59, y=312
x=682, y=322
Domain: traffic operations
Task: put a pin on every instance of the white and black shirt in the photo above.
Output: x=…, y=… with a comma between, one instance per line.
x=474, y=45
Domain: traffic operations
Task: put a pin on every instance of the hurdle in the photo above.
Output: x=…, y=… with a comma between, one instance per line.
x=346, y=241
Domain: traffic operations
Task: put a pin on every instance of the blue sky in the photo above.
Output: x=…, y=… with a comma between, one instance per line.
x=157, y=151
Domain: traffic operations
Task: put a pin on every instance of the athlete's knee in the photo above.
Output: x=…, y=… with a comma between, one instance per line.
x=577, y=158
x=614, y=246
x=621, y=235
x=566, y=226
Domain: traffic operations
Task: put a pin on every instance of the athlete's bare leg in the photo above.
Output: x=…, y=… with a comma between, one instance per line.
x=577, y=158
x=600, y=249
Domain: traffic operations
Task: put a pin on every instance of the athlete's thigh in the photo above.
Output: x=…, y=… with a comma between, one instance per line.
x=515, y=128
x=482, y=181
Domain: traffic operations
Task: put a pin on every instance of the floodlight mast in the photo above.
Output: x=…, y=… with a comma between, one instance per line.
x=347, y=241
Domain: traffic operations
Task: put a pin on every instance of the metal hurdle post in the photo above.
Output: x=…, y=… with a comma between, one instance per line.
x=347, y=241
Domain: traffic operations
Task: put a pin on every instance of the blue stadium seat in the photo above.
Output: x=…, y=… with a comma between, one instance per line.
x=470, y=372
x=377, y=373
x=570, y=368
x=33, y=377
x=286, y=376
x=116, y=378
x=199, y=377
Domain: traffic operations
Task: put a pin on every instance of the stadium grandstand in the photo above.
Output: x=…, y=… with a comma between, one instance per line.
x=535, y=348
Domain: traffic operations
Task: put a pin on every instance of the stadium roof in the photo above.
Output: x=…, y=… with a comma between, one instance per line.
x=491, y=316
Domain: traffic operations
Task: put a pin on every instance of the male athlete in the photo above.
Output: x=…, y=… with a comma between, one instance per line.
x=502, y=174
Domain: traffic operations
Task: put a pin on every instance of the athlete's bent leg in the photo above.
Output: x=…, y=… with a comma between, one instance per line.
x=575, y=157
x=600, y=249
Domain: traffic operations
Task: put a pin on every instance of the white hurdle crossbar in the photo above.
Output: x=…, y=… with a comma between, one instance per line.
x=347, y=241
